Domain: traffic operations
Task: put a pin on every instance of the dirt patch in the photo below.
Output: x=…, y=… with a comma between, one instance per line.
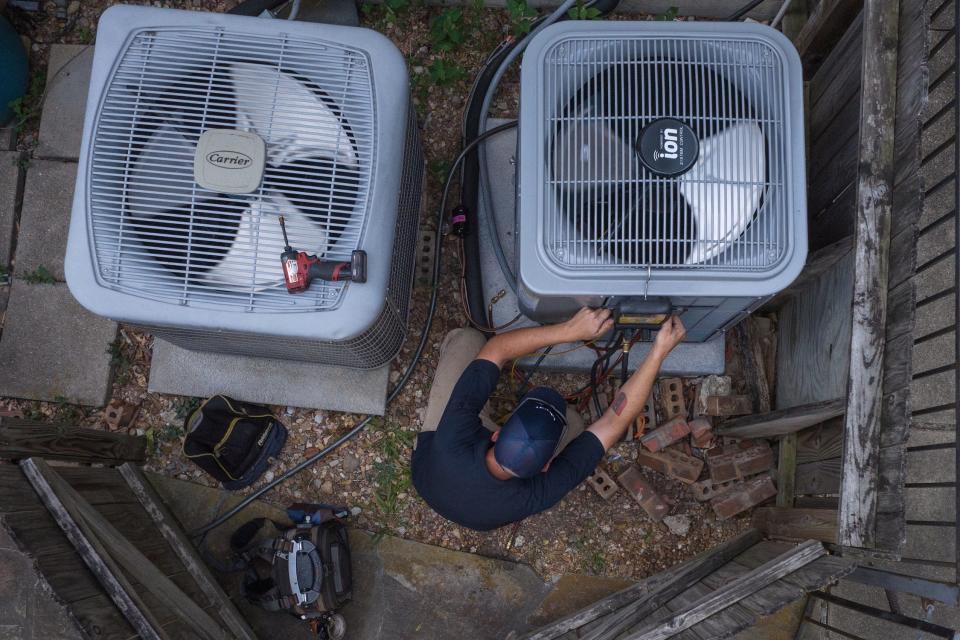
x=581, y=534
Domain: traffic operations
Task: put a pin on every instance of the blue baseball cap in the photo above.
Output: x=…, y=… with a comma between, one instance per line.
x=532, y=433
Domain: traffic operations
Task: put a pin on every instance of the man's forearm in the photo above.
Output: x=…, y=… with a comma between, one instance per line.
x=505, y=347
x=628, y=402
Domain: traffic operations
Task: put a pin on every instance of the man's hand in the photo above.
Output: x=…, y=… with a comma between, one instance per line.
x=588, y=324
x=670, y=334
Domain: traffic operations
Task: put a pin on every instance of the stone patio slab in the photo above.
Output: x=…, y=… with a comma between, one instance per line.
x=9, y=179
x=178, y=371
x=45, y=217
x=28, y=608
x=61, y=123
x=51, y=348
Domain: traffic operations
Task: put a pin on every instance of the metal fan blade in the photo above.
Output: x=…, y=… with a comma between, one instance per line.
x=589, y=154
x=163, y=167
x=253, y=258
x=289, y=100
x=724, y=187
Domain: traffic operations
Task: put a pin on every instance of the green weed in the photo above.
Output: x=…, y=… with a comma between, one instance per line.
x=34, y=413
x=121, y=360
x=166, y=433
x=521, y=16
x=67, y=412
x=439, y=168
x=444, y=73
x=447, y=31
x=185, y=406
x=26, y=108
x=392, y=473
x=597, y=561
x=85, y=35
x=582, y=12
x=669, y=15
x=40, y=275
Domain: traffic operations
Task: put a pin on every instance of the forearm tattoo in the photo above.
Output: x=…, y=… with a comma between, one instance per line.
x=619, y=403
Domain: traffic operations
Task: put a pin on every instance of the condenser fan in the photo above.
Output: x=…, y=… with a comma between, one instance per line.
x=657, y=170
x=229, y=240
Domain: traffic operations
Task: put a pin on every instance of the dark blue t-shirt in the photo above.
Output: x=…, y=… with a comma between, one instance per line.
x=450, y=472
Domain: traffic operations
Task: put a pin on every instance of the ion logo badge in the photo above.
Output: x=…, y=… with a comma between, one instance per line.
x=229, y=159
x=668, y=147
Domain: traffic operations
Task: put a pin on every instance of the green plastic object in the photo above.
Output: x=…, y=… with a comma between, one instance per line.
x=13, y=69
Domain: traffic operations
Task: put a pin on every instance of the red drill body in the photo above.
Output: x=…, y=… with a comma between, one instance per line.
x=300, y=268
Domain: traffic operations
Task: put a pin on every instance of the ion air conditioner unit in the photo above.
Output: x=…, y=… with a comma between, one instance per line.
x=662, y=161
x=201, y=130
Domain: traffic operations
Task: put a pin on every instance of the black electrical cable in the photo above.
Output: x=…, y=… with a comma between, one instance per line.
x=424, y=335
x=533, y=369
x=744, y=10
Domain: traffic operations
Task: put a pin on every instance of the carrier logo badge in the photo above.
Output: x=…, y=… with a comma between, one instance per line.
x=229, y=159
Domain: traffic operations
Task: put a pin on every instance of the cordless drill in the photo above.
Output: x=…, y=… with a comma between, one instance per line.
x=300, y=268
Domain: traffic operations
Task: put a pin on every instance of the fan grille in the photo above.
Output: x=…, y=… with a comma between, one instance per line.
x=159, y=235
x=603, y=210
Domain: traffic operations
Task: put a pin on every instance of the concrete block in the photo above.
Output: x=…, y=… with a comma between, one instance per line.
x=740, y=461
x=701, y=433
x=177, y=371
x=706, y=490
x=742, y=496
x=52, y=348
x=711, y=386
x=45, y=217
x=602, y=483
x=666, y=434
x=672, y=463
x=643, y=492
x=728, y=406
x=671, y=397
x=9, y=190
x=61, y=123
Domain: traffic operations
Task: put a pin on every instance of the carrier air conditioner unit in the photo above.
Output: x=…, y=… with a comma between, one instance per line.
x=201, y=130
x=660, y=161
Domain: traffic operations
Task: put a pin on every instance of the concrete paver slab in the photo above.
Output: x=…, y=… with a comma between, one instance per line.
x=179, y=371
x=28, y=608
x=61, y=123
x=45, y=217
x=9, y=178
x=52, y=348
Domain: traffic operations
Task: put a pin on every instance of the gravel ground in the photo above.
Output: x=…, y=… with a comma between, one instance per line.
x=582, y=534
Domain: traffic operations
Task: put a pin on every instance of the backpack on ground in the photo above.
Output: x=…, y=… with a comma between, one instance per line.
x=304, y=569
x=233, y=441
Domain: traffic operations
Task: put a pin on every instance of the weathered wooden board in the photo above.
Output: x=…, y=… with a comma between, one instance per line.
x=635, y=603
x=24, y=438
x=858, y=497
x=731, y=593
x=821, y=442
x=825, y=27
x=782, y=421
x=787, y=470
x=797, y=523
x=821, y=477
x=814, y=339
x=174, y=536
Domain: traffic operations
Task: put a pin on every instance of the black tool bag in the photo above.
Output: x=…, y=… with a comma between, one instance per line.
x=304, y=570
x=232, y=440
